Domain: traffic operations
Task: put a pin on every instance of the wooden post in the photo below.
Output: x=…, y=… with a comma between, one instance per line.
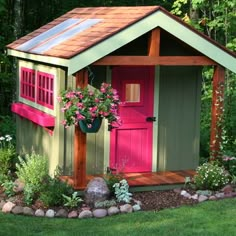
x=80, y=142
x=217, y=110
x=154, y=42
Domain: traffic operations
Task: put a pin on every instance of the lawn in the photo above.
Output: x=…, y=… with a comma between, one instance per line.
x=209, y=218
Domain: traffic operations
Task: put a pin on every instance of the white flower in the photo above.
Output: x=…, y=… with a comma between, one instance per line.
x=2, y=138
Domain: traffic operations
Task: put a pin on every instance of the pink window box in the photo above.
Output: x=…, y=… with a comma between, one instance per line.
x=36, y=116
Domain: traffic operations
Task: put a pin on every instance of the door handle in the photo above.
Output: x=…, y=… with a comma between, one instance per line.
x=151, y=119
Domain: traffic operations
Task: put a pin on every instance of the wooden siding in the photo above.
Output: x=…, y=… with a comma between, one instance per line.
x=179, y=118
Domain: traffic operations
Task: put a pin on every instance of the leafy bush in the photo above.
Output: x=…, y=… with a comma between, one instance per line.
x=211, y=176
x=53, y=190
x=122, y=191
x=33, y=171
x=7, y=154
x=112, y=179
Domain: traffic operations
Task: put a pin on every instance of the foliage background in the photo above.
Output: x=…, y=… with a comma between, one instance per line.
x=216, y=18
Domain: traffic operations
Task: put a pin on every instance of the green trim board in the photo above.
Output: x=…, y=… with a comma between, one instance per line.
x=156, y=19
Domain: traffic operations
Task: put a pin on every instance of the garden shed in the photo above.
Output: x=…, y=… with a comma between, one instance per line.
x=155, y=62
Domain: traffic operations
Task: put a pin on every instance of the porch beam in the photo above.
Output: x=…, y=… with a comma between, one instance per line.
x=80, y=141
x=154, y=42
x=217, y=109
x=155, y=60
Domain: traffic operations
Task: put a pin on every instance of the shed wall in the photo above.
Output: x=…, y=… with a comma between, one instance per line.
x=179, y=118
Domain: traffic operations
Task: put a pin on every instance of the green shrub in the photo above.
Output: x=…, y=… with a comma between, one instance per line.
x=53, y=190
x=8, y=186
x=105, y=203
x=112, y=179
x=210, y=176
x=7, y=154
x=33, y=171
x=229, y=164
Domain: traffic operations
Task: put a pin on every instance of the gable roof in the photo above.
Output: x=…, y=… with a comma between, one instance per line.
x=84, y=35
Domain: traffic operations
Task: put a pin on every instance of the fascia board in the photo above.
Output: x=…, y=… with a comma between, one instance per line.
x=157, y=19
x=196, y=41
x=34, y=57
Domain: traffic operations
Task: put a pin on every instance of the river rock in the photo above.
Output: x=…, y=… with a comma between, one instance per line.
x=39, y=212
x=73, y=214
x=62, y=213
x=202, y=198
x=126, y=208
x=7, y=207
x=113, y=210
x=2, y=203
x=96, y=190
x=28, y=211
x=17, y=210
x=50, y=213
x=99, y=213
x=18, y=186
x=85, y=214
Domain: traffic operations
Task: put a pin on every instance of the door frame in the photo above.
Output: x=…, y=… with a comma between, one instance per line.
x=155, y=124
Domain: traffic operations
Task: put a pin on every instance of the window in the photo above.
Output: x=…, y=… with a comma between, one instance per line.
x=37, y=86
x=132, y=93
x=45, y=89
x=27, y=84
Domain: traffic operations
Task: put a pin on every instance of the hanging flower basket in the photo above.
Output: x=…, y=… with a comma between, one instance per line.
x=90, y=128
x=85, y=106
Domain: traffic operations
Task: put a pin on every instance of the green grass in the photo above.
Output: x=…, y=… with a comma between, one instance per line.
x=216, y=218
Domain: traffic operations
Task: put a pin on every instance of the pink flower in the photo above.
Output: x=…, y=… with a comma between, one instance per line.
x=59, y=99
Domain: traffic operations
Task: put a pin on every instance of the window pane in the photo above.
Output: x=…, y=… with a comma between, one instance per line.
x=132, y=92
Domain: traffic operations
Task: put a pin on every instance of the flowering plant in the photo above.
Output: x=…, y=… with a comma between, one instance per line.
x=87, y=104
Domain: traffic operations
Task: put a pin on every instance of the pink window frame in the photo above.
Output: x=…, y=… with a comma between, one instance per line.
x=45, y=89
x=27, y=84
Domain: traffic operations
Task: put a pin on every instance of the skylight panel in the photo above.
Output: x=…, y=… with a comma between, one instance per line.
x=48, y=34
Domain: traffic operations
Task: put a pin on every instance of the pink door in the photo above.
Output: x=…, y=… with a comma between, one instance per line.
x=131, y=144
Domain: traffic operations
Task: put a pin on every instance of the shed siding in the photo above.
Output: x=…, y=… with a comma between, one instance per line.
x=179, y=118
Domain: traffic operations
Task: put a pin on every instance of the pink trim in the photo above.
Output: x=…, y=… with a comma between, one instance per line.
x=36, y=116
x=27, y=83
x=45, y=89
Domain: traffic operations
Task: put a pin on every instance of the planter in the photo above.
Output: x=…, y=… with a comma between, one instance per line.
x=95, y=126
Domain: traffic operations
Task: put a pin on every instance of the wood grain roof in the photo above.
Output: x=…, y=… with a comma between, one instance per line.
x=78, y=36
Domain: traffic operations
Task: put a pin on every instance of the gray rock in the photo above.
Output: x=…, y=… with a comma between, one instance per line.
x=85, y=214
x=212, y=197
x=96, y=190
x=28, y=211
x=2, y=203
x=99, y=213
x=17, y=210
x=126, y=208
x=185, y=194
x=227, y=189
x=136, y=207
x=73, y=214
x=137, y=202
x=194, y=197
x=18, y=186
x=50, y=213
x=7, y=207
x=177, y=190
x=204, y=192
x=62, y=213
x=220, y=195
x=39, y=212
x=113, y=210
x=202, y=198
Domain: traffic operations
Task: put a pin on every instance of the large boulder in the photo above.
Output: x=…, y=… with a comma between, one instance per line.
x=96, y=190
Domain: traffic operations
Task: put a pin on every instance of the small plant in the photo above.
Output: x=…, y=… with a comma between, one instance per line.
x=122, y=191
x=106, y=204
x=33, y=171
x=112, y=179
x=72, y=201
x=7, y=154
x=211, y=176
x=53, y=190
x=8, y=188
